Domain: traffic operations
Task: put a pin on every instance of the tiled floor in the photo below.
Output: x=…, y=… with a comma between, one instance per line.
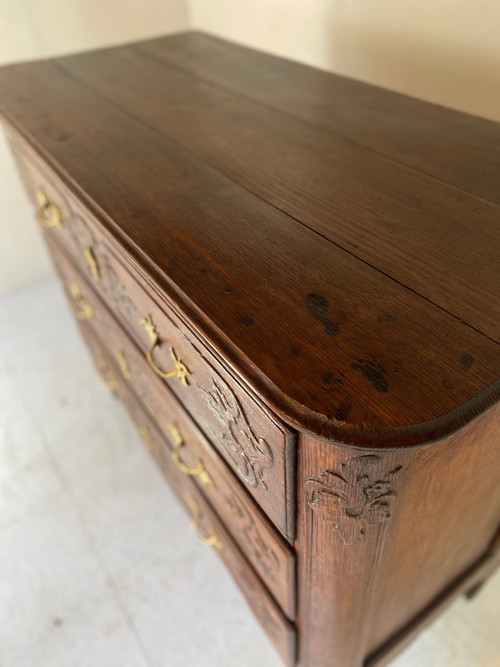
x=98, y=567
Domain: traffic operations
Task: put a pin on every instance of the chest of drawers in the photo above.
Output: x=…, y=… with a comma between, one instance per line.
x=291, y=280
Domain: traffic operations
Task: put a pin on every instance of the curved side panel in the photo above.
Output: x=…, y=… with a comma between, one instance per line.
x=381, y=534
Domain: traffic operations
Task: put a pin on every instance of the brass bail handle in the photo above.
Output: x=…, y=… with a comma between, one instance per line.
x=48, y=214
x=209, y=540
x=180, y=369
x=197, y=471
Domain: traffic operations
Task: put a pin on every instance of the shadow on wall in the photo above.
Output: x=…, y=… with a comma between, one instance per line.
x=456, y=77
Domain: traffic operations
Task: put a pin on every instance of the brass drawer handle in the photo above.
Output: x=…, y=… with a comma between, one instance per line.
x=92, y=262
x=199, y=470
x=180, y=369
x=81, y=307
x=210, y=540
x=49, y=215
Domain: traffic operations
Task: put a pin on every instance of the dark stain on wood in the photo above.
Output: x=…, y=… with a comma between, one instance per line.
x=342, y=411
x=385, y=318
x=295, y=351
x=317, y=305
x=466, y=361
x=247, y=321
x=331, y=328
x=328, y=378
x=374, y=373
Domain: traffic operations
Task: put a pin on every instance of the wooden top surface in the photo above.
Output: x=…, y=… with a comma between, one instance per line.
x=339, y=243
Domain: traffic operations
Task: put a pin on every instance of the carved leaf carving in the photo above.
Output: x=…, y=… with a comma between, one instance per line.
x=352, y=498
x=250, y=454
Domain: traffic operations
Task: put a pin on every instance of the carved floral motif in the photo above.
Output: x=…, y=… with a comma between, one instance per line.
x=250, y=454
x=354, y=497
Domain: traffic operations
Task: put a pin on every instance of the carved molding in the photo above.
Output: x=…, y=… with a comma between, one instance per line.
x=250, y=454
x=355, y=497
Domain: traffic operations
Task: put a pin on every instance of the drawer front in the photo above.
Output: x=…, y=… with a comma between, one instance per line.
x=268, y=552
x=253, y=441
x=205, y=522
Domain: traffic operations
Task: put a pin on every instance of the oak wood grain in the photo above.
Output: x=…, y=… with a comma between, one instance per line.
x=449, y=145
x=371, y=207
x=385, y=538
x=256, y=274
x=472, y=580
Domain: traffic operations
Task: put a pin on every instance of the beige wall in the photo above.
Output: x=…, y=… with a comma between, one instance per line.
x=446, y=51
x=41, y=28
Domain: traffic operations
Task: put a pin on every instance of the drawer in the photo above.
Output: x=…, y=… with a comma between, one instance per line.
x=205, y=522
x=251, y=439
x=270, y=555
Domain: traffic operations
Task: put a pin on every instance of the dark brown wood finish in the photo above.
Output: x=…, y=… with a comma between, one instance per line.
x=333, y=187
x=449, y=145
x=323, y=257
x=468, y=584
x=379, y=531
x=256, y=274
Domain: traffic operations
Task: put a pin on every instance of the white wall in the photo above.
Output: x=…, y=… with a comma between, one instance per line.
x=446, y=51
x=31, y=29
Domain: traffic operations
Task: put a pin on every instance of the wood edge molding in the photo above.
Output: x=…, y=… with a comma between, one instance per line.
x=473, y=578
x=251, y=377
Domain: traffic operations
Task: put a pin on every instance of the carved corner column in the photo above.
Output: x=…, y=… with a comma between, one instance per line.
x=347, y=500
